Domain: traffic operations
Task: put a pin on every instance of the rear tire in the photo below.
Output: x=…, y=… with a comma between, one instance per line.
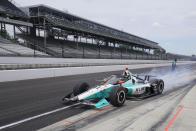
x=117, y=96
x=160, y=87
x=80, y=88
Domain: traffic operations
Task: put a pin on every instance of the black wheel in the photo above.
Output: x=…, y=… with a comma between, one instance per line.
x=160, y=87
x=157, y=86
x=80, y=88
x=117, y=96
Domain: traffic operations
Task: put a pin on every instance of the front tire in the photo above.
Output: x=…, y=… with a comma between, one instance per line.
x=117, y=96
x=80, y=88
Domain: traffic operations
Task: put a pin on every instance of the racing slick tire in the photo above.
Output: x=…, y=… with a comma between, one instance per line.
x=160, y=87
x=117, y=96
x=80, y=88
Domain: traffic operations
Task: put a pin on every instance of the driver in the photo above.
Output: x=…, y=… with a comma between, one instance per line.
x=128, y=76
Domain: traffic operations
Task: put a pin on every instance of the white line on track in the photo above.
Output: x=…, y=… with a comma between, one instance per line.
x=37, y=116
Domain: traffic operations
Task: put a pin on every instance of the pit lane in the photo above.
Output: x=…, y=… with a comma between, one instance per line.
x=23, y=99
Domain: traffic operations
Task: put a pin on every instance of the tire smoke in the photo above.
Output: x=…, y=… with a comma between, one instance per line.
x=174, y=79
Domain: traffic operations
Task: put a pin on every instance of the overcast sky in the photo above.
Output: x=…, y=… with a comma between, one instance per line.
x=172, y=23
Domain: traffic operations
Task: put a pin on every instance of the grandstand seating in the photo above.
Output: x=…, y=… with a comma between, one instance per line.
x=8, y=48
x=65, y=48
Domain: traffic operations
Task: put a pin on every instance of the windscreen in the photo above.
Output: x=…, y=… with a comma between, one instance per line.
x=113, y=79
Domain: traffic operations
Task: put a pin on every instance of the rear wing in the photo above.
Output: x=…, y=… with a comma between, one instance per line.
x=146, y=77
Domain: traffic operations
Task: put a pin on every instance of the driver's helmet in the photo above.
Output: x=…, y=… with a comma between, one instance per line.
x=126, y=73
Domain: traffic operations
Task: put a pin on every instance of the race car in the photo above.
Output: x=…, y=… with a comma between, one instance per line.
x=115, y=90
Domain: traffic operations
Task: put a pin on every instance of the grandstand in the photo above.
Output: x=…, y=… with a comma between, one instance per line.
x=48, y=32
x=11, y=14
x=65, y=48
x=53, y=28
x=74, y=25
x=59, y=26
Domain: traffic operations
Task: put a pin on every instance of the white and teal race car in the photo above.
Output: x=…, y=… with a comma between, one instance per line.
x=115, y=90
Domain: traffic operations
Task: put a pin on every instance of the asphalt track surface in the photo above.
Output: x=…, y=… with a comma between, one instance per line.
x=23, y=99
